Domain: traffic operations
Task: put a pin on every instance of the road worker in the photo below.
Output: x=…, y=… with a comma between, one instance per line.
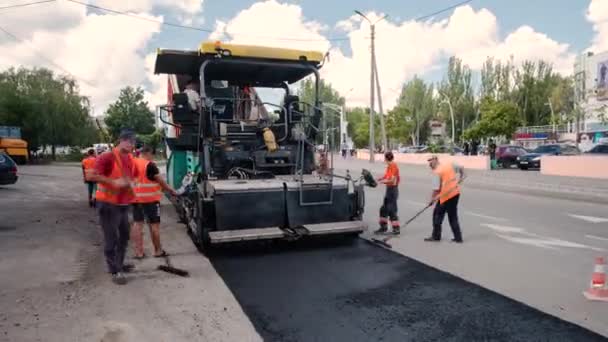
x=148, y=193
x=88, y=166
x=446, y=193
x=115, y=173
x=389, y=208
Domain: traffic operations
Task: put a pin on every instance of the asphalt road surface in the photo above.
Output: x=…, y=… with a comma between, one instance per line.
x=54, y=286
x=360, y=292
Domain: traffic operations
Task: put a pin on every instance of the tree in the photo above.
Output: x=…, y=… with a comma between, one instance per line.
x=498, y=119
x=48, y=108
x=417, y=101
x=328, y=95
x=129, y=111
x=458, y=90
x=399, y=124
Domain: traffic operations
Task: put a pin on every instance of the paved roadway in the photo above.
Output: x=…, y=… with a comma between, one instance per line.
x=538, y=250
x=305, y=292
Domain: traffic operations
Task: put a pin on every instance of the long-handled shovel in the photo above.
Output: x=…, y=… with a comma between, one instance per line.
x=168, y=267
x=384, y=242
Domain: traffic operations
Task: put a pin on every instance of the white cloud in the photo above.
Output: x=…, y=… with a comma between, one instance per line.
x=597, y=14
x=93, y=48
x=264, y=21
x=403, y=49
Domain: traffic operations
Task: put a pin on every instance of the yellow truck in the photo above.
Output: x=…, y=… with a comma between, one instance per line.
x=12, y=144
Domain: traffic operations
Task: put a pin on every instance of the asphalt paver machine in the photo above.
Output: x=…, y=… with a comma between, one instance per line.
x=247, y=169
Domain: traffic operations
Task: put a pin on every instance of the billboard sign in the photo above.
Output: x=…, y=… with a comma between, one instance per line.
x=601, y=87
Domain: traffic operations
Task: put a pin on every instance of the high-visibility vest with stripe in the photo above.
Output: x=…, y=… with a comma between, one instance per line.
x=449, y=182
x=109, y=194
x=146, y=191
x=88, y=164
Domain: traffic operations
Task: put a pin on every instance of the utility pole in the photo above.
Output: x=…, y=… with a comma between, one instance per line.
x=382, y=126
x=372, y=137
x=373, y=80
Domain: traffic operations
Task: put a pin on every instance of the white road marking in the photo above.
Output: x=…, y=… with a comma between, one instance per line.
x=485, y=216
x=535, y=239
x=526, y=241
x=591, y=219
x=596, y=237
x=504, y=229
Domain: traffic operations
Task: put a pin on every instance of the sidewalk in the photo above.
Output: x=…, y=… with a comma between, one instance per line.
x=525, y=182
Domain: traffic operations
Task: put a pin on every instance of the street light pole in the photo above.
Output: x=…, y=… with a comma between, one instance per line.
x=372, y=137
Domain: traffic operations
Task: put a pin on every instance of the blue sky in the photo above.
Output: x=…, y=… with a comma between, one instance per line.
x=562, y=20
x=113, y=51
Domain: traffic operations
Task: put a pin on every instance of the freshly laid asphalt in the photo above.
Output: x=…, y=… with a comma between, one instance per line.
x=338, y=291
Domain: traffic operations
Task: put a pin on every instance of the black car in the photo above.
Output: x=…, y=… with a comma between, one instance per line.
x=599, y=149
x=532, y=160
x=8, y=170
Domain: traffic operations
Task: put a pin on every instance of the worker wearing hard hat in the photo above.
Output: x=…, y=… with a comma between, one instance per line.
x=389, y=208
x=446, y=193
x=88, y=166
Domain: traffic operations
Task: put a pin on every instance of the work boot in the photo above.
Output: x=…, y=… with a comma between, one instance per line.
x=396, y=230
x=382, y=230
x=457, y=240
x=119, y=278
x=431, y=239
x=128, y=268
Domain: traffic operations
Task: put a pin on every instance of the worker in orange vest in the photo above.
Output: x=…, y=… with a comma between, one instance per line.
x=88, y=166
x=389, y=208
x=148, y=193
x=115, y=174
x=446, y=193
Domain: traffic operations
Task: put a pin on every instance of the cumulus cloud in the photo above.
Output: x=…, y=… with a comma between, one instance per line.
x=597, y=14
x=91, y=47
x=403, y=49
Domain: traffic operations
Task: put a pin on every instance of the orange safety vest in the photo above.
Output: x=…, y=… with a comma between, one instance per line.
x=146, y=191
x=109, y=194
x=88, y=164
x=392, y=170
x=449, y=183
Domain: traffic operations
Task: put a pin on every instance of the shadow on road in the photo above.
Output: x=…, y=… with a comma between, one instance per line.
x=330, y=291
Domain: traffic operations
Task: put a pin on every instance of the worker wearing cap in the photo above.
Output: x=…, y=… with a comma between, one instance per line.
x=389, y=209
x=115, y=173
x=446, y=193
x=148, y=193
x=88, y=165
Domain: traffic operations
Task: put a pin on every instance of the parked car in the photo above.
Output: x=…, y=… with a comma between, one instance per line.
x=506, y=155
x=8, y=170
x=599, y=149
x=532, y=160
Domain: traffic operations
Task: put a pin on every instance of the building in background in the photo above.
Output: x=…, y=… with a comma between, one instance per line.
x=591, y=89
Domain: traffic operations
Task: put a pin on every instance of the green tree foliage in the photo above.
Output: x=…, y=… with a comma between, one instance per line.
x=498, y=119
x=458, y=90
x=47, y=107
x=328, y=95
x=399, y=124
x=129, y=111
x=418, y=105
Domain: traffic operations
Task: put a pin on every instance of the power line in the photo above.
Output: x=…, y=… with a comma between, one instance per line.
x=40, y=55
x=27, y=4
x=200, y=29
x=443, y=10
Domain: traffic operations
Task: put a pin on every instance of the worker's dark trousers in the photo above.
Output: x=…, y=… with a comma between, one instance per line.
x=115, y=223
x=451, y=207
x=389, y=207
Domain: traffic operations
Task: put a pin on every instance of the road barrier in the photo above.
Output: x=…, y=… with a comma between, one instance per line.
x=575, y=166
x=468, y=162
